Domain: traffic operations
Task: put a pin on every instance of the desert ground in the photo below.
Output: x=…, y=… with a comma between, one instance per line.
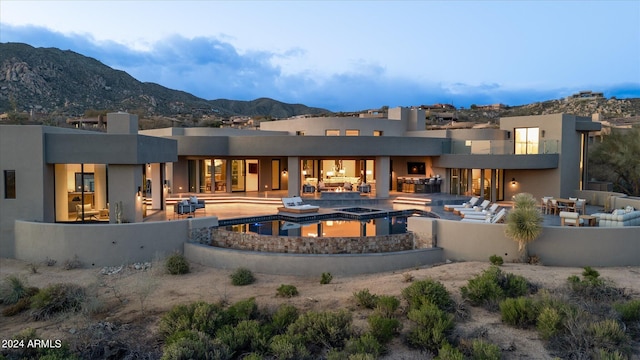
x=126, y=306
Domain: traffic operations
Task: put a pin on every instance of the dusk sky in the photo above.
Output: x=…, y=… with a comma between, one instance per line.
x=350, y=55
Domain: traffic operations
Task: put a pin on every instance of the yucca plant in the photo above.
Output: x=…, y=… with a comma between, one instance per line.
x=524, y=223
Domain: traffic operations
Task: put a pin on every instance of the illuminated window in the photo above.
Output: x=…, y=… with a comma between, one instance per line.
x=300, y=133
x=527, y=140
x=332, y=132
x=377, y=132
x=9, y=184
x=352, y=132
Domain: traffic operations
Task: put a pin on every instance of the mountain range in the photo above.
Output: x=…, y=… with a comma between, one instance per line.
x=57, y=84
x=50, y=80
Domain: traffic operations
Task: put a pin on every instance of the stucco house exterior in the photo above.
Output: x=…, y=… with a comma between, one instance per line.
x=67, y=176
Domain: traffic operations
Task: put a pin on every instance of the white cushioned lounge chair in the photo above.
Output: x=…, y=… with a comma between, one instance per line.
x=450, y=207
x=296, y=205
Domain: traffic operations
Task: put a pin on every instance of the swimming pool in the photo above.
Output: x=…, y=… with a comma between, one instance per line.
x=325, y=228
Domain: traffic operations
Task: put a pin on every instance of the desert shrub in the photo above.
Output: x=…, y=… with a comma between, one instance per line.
x=242, y=310
x=433, y=325
x=323, y=329
x=246, y=336
x=407, y=277
x=22, y=305
x=199, y=316
x=492, y=285
x=287, y=291
x=288, y=347
x=609, y=335
x=603, y=354
x=448, y=352
x=521, y=311
x=177, y=264
x=12, y=289
x=496, y=260
x=71, y=264
x=242, y=276
x=365, y=299
x=326, y=278
x=56, y=299
x=383, y=328
x=485, y=351
x=198, y=345
x=424, y=291
x=386, y=305
x=594, y=288
x=284, y=316
x=549, y=322
x=629, y=311
x=365, y=344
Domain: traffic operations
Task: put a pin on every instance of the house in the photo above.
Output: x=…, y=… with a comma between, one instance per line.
x=117, y=175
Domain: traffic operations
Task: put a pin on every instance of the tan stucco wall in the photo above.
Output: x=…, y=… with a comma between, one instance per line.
x=557, y=246
x=99, y=245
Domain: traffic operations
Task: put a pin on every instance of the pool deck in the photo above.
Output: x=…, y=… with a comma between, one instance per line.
x=229, y=210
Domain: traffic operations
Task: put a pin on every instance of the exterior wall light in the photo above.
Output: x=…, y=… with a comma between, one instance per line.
x=139, y=193
x=284, y=172
x=513, y=182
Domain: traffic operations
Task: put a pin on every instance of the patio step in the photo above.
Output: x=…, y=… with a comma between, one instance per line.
x=412, y=201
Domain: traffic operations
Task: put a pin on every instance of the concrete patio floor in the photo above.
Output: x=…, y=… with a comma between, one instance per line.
x=230, y=210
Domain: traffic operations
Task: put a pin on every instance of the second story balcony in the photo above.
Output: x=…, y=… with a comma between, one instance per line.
x=499, y=154
x=499, y=147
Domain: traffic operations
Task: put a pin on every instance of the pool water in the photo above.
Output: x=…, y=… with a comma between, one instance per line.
x=326, y=228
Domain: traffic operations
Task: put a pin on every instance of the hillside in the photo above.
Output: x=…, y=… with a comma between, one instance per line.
x=53, y=81
x=54, y=85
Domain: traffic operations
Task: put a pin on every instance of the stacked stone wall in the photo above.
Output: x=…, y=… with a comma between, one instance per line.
x=312, y=245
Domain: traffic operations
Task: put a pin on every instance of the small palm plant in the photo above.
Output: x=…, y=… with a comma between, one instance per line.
x=524, y=223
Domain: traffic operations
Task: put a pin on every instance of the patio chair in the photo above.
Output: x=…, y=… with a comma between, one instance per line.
x=489, y=219
x=545, y=205
x=481, y=214
x=468, y=204
x=557, y=207
x=481, y=207
x=296, y=205
x=568, y=218
x=577, y=207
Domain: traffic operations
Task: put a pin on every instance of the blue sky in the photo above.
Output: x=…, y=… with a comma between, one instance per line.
x=350, y=55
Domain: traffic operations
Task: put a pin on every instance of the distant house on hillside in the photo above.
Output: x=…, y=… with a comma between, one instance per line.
x=585, y=95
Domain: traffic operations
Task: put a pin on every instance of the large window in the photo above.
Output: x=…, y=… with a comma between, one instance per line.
x=9, y=184
x=332, y=132
x=527, y=140
x=352, y=132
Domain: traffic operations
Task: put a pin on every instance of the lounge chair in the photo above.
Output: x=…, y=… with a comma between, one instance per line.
x=296, y=205
x=489, y=219
x=481, y=214
x=481, y=207
x=468, y=204
x=570, y=218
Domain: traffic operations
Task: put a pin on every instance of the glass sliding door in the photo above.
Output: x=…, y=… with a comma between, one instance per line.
x=238, y=175
x=220, y=174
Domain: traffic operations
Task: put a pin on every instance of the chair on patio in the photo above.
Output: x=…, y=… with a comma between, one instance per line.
x=545, y=205
x=557, y=207
x=450, y=207
x=578, y=206
x=296, y=205
x=569, y=218
x=481, y=207
x=480, y=214
x=489, y=219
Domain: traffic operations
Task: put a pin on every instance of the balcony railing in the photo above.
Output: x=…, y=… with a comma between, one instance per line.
x=497, y=147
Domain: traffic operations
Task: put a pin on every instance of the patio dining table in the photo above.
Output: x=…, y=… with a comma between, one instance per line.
x=566, y=203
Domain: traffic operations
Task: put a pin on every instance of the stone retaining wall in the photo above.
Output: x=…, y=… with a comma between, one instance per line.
x=312, y=245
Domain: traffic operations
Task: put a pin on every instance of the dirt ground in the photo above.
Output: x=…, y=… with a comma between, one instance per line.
x=128, y=304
